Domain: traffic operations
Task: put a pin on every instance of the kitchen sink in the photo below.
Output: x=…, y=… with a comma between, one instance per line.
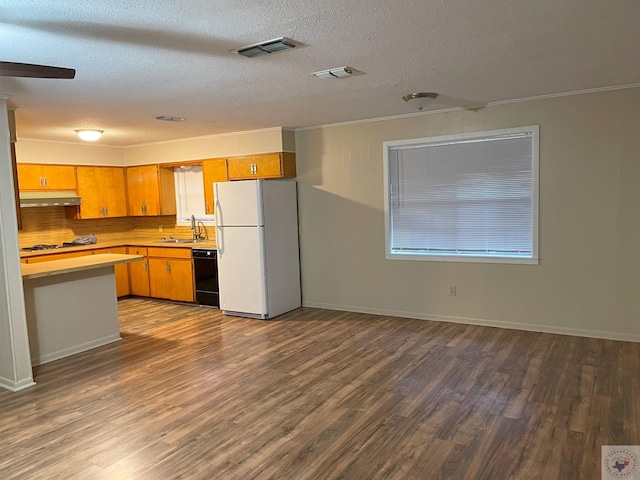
x=181, y=240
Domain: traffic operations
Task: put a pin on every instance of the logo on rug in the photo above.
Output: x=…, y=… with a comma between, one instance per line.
x=620, y=461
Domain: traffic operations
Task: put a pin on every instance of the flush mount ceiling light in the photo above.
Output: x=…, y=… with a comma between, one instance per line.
x=340, y=72
x=170, y=118
x=420, y=100
x=89, y=135
x=263, y=48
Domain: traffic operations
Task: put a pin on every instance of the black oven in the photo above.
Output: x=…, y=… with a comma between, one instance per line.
x=205, y=267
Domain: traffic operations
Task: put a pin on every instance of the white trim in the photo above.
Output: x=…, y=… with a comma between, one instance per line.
x=16, y=386
x=529, y=327
x=83, y=347
x=457, y=109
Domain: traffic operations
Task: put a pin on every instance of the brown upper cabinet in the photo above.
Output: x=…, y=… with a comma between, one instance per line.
x=150, y=190
x=271, y=165
x=213, y=170
x=103, y=193
x=33, y=177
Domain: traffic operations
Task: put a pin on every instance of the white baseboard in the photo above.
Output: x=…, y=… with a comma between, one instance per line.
x=530, y=327
x=16, y=386
x=50, y=357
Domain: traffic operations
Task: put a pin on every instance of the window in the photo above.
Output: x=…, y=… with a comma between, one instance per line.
x=469, y=197
x=190, y=194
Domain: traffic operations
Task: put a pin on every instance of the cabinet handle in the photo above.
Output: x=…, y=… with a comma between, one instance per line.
x=42, y=181
x=207, y=207
x=146, y=267
x=103, y=213
x=137, y=252
x=106, y=211
x=45, y=182
x=168, y=267
x=144, y=209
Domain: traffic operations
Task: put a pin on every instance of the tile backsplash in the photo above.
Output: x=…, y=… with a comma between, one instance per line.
x=49, y=225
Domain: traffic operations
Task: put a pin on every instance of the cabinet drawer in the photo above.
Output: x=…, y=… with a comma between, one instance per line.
x=110, y=250
x=169, y=252
x=57, y=256
x=137, y=251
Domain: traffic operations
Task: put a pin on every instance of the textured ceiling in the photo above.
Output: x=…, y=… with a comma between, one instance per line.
x=137, y=59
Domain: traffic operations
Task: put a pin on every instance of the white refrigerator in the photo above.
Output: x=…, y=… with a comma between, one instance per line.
x=257, y=241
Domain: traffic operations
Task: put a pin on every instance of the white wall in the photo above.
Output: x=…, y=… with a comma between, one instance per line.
x=588, y=279
x=39, y=151
x=214, y=146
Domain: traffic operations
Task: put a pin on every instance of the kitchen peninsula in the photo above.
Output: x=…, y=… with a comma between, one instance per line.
x=71, y=304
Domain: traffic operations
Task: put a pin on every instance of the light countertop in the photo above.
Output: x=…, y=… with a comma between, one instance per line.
x=68, y=265
x=126, y=242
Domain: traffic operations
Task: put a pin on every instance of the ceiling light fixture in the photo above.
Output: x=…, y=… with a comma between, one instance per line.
x=340, y=72
x=270, y=46
x=89, y=135
x=420, y=100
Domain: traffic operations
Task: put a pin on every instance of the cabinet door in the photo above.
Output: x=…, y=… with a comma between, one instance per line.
x=213, y=170
x=160, y=277
x=58, y=177
x=30, y=177
x=240, y=168
x=114, y=196
x=135, y=191
x=182, y=280
x=139, y=273
x=151, y=191
x=121, y=271
x=267, y=166
x=171, y=279
x=88, y=189
x=272, y=165
x=46, y=177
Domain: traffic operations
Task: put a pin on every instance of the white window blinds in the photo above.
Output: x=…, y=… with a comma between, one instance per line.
x=464, y=196
x=190, y=194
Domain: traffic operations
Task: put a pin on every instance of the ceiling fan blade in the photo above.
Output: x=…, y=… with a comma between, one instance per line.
x=12, y=69
x=459, y=102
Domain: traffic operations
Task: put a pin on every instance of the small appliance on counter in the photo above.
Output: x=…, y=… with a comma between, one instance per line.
x=89, y=239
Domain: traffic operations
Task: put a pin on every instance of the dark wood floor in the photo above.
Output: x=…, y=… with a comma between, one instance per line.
x=320, y=394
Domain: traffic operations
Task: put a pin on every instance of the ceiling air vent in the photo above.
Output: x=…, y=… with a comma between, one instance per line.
x=170, y=118
x=270, y=46
x=340, y=72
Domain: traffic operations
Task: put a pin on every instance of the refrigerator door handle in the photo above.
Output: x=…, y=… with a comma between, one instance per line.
x=220, y=241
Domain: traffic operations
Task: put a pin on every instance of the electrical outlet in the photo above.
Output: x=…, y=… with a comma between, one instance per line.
x=160, y=228
x=452, y=290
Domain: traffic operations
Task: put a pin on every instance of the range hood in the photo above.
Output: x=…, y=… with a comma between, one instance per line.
x=63, y=198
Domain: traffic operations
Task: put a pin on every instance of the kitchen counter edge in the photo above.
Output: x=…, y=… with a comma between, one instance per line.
x=207, y=244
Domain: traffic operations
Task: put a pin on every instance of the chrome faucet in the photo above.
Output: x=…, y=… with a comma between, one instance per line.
x=197, y=230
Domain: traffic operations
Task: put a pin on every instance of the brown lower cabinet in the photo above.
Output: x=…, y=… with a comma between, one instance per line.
x=122, y=273
x=165, y=272
x=139, y=273
x=171, y=273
